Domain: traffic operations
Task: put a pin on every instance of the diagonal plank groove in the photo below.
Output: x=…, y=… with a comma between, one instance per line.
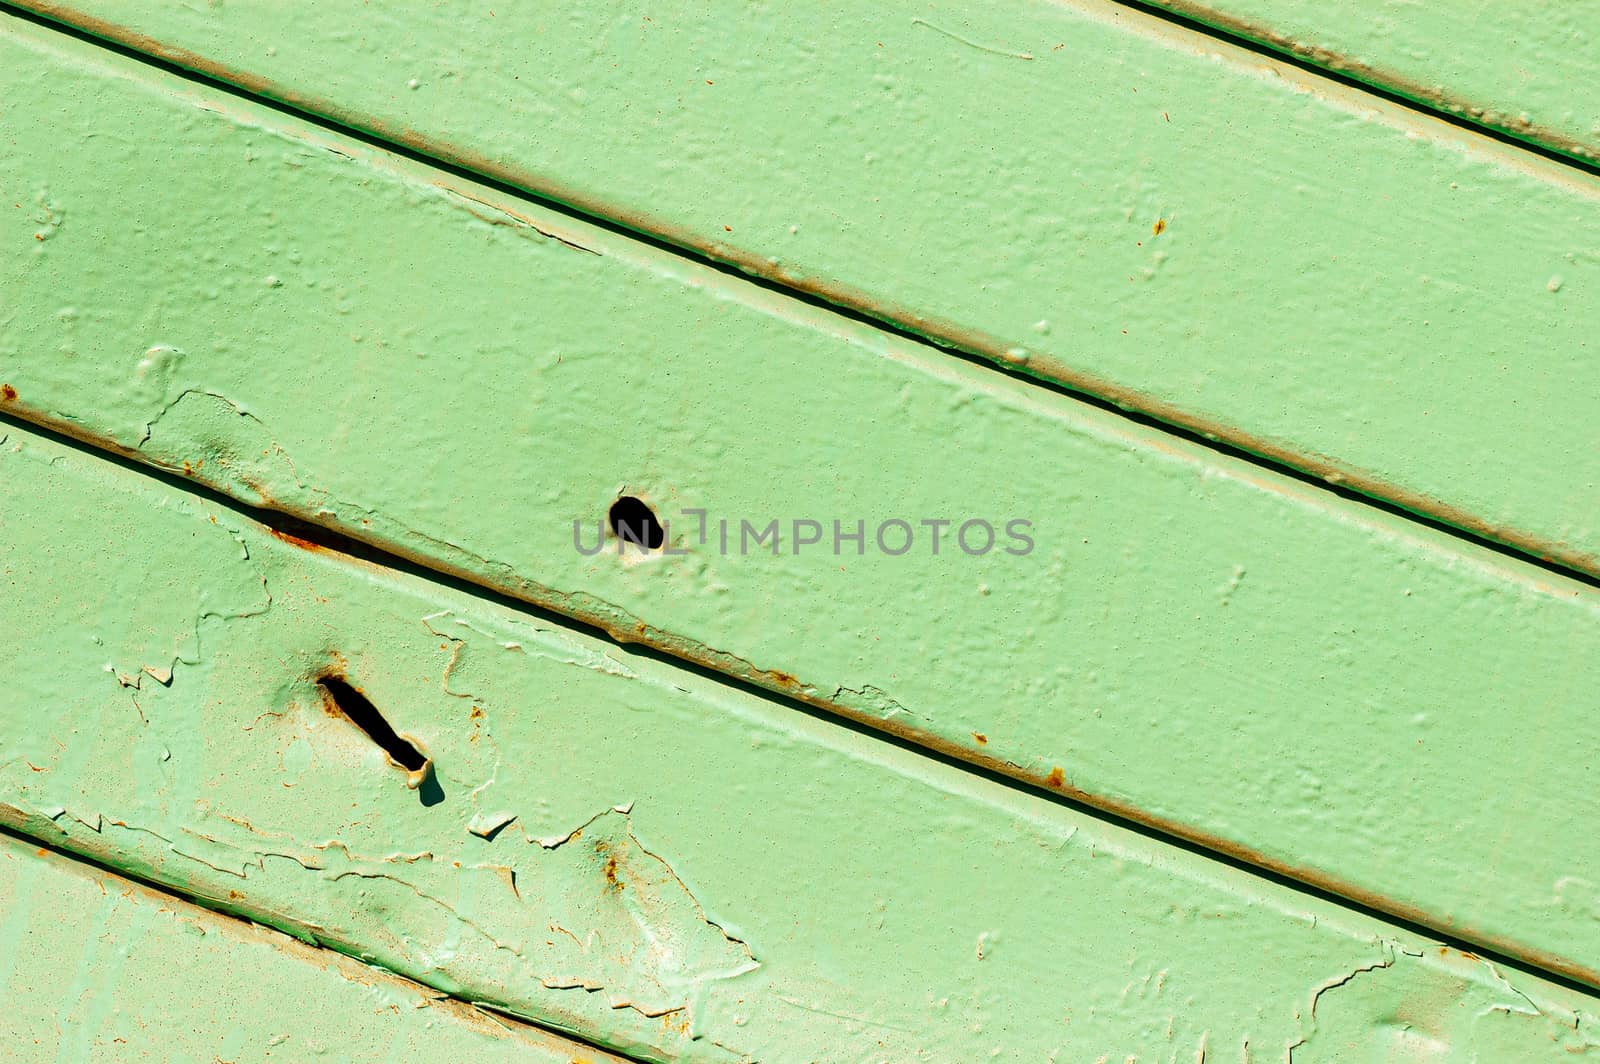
x=569, y=732
x=1186, y=14
x=1129, y=818
x=221, y=909
x=1100, y=393
x=894, y=721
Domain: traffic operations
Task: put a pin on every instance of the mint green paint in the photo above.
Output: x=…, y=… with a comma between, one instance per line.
x=98, y=968
x=1349, y=286
x=657, y=861
x=1526, y=67
x=1195, y=643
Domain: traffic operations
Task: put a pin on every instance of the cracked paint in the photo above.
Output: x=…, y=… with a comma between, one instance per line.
x=96, y=967
x=314, y=368
x=1053, y=273
x=662, y=864
x=1456, y=1006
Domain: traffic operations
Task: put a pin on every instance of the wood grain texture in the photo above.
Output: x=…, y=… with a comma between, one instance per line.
x=96, y=967
x=1310, y=684
x=1091, y=195
x=618, y=847
x=1524, y=67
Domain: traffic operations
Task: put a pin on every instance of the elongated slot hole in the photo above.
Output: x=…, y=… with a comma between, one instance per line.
x=363, y=714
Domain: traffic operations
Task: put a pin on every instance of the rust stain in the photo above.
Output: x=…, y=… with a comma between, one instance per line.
x=980, y=738
x=8, y=393
x=1160, y=226
x=947, y=332
x=329, y=705
x=971, y=341
x=1435, y=99
x=290, y=538
x=807, y=694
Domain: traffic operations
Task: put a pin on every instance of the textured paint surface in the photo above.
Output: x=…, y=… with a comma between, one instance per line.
x=619, y=847
x=1310, y=683
x=94, y=967
x=1526, y=67
x=1091, y=194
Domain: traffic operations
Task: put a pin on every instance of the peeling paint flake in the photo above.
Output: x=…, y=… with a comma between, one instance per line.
x=655, y=860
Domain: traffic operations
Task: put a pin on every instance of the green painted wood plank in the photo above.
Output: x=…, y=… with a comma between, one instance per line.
x=1524, y=67
x=620, y=847
x=99, y=968
x=1340, y=283
x=1312, y=684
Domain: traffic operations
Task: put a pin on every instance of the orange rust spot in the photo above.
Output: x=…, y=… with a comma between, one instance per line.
x=291, y=538
x=1160, y=226
x=611, y=873
x=980, y=737
x=38, y=236
x=41, y=852
x=476, y=714
x=8, y=393
x=329, y=705
x=1056, y=777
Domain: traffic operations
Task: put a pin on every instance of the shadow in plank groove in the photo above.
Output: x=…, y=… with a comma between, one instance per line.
x=1374, y=493
x=305, y=536
x=1241, y=38
x=200, y=901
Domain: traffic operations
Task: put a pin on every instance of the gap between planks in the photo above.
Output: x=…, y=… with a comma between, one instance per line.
x=1380, y=495
x=306, y=536
x=1241, y=37
x=496, y=1014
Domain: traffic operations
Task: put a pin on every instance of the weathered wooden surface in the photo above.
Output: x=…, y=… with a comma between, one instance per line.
x=1524, y=67
x=1096, y=195
x=95, y=967
x=1315, y=685
x=620, y=847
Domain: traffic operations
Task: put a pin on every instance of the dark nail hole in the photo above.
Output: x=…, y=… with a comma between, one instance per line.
x=364, y=715
x=633, y=522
